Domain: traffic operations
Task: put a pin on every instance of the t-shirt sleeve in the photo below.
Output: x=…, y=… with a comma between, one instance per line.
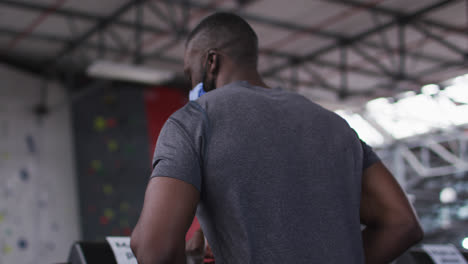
x=369, y=156
x=178, y=149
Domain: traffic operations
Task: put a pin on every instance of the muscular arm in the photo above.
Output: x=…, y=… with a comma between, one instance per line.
x=168, y=211
x=391, y=225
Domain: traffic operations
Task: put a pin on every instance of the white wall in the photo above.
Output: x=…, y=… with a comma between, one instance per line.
x=38, y=190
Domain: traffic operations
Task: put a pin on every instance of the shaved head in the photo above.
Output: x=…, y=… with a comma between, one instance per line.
x=227, y=33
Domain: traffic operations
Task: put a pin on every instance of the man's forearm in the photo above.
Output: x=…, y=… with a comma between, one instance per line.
x=155, y=256
x=382, y=245
x=154, y=252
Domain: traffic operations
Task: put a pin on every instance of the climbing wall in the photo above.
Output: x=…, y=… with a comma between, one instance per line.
x=115, y=130
x=38, y=198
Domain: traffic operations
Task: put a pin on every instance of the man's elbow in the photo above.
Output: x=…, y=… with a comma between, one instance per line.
x=152, y=253
x=414, y=231
x=410, y=229
x=134, y=244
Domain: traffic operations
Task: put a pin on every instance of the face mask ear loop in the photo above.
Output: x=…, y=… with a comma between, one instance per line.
x=195, y=93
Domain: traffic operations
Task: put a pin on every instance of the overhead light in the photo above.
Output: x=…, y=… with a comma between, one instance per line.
x=430, y=89
x=448, y=195
x=463, y=213
x=458, y=93
x=126, y=72
x=465, y=243
x=460, y=79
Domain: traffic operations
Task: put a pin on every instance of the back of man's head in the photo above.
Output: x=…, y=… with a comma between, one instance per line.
x=228, y=33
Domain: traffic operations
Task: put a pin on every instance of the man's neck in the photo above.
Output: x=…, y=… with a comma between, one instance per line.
x=253, y=78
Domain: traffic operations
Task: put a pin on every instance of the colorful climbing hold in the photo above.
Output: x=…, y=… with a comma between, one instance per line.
x=24, y=175
x=22, y=243
x=103, y=220
x=7, y=249
x=99, y=123
x=96, y=165
x=112, y=145
x=127, y=231
x=111, y=122
x=124, y=206
x=6, y=155
x=107, y=189
x=109, y=213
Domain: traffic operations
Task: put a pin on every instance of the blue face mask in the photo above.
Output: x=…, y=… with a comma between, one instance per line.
x=196, y=92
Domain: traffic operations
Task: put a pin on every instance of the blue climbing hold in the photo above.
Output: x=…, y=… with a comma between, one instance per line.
x=22, y=243
x=24, y=175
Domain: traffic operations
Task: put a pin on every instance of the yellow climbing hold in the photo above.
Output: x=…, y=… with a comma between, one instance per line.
x=7, y=249
x=109, y=213
x=124, y=206
x=112, y=145
x=99, y=123
x=96, y=164
x=108, y=189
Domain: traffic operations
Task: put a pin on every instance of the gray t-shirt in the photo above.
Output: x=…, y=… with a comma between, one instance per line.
x=279, y=176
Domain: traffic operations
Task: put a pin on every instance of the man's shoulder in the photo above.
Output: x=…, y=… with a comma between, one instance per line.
x=190, y=110
x=189, y=116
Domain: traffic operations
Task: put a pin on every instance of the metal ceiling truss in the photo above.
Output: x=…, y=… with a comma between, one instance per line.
x=85, y=16
x=122, y=48
x=403, y=20
x=399, y=19
x=428, y=156
x=177, y=27
x=439, y=39
x=85, y=36
x=395, y=13
x=101, y=27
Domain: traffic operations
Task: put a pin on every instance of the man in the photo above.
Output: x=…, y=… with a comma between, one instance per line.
x=276, y=178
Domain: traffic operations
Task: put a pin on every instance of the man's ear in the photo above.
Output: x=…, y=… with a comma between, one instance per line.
x=212, y=62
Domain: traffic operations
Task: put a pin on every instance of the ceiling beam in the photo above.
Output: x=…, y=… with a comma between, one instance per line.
x=101, y=25
x=359, y=37
x=395, y=13
x=441, y=67
x=326, y=64
x=67, y=13
x=258, y=19
x=439, y=39
x=422, y=75
x=103, y=22
x=87, y=16
x=307, y=30
x=66, y=41
x=158, y=55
